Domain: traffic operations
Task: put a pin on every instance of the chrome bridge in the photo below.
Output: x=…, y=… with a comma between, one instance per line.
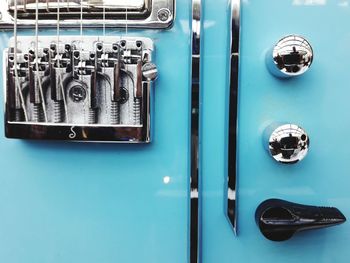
x=79, y=88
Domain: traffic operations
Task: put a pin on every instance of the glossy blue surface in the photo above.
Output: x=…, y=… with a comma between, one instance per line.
x=73, y=202
x=318, y=101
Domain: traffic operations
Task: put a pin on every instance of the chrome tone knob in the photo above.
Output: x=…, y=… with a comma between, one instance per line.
x=290, y=57
x=288, y=143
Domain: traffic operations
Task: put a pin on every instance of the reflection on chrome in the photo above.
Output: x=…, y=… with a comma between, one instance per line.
x=291, y=56
x=288, y=143
x=233, y=115
x=195, y=226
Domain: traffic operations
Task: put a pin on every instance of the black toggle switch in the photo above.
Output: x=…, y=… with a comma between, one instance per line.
x=279, y=220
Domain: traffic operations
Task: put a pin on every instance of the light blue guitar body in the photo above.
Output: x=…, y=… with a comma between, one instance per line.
x=64, y=202
x=76, y=202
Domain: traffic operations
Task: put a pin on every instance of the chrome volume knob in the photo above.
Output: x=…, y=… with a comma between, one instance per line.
x=291, y=56
x=288, y=143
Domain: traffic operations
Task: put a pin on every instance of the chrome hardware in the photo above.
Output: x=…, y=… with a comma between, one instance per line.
x=279, y=220
x=164, y=14
x=287, y=143
x=291, y=56
x=150, y=71
x=233, y=115
x=98, y=85
x=195, y=178
x=96, y=13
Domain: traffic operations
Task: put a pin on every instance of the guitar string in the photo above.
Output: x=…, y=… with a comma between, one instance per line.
x=80, y=64
x=103, y=46
x=126, y=35
x=104, y=20
x=126, y=22
x=104, y=33
x=17, y=84
x=38, y=80
x=81, y=39
x=60, y=81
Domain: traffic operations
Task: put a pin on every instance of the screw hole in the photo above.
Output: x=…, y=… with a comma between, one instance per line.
x=67, y=47
x=139, y=44
x=99, y=47
x=124, y=95
x=76, y=54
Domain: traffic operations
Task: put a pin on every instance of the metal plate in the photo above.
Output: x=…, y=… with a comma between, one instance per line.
x=156, y=14
x=89, y=89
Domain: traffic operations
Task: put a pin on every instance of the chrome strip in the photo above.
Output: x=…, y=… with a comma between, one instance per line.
x=233, y=115
x=195, y=230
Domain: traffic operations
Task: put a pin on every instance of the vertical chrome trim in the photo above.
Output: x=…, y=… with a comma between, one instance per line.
x=233, y=115
x=195, y=205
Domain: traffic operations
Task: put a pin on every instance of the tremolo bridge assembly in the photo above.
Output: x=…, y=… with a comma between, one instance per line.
x=90, y=89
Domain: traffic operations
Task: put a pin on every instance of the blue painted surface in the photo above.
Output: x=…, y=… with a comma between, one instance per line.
x=63, y=202
x=73, y=202
x=318, y=101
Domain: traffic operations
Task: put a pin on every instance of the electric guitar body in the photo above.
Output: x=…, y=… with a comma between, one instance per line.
x=174, y=131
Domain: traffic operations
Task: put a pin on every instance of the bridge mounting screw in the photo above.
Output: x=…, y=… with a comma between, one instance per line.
x=150, y=71
x=164, y=14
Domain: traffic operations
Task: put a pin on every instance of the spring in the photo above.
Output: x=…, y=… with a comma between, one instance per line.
x=115, y=113
x=58, y=112
x=18, y=115
x=38, y=113
x=137, y=111
x=92, y=116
